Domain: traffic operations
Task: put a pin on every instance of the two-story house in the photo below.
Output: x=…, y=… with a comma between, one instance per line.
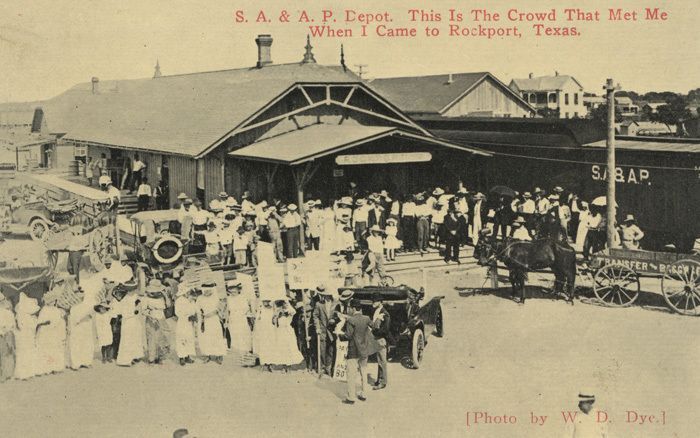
x=558, y=95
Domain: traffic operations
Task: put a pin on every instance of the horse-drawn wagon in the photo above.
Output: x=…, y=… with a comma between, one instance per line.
x=616, y=274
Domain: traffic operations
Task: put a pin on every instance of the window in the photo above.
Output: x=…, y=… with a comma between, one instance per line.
x=566, y=115
x=566, y=99
x=575, y=98
x=552, y=98
x=576, y=115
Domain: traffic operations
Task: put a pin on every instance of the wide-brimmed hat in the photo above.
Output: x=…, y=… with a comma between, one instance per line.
x=538, y=190
x=360, y=202
x=558, y=189
x=376, y=229
x=462, y=191
x=292, y=207
x=479, y=196
x=231, y=201
x=519, y=220
x=187, y=201
x=223, y=195
x=246, y=195
x=554, y=197
x=321, y=290
x=182, y=196
x=318, y=203
x=527, y=195
x=346, y=200
x=392, y=220
x=629, y=218
x=438, y=191
x=346, y=295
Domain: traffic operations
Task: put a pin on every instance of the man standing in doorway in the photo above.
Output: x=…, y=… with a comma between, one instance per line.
x=137, y=167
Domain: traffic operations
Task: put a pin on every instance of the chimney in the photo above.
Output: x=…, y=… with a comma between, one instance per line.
x=264, y=42
x=530, y=75
x=157, y=73
x=95, y=85
x=449, y=78
x=38, y=120
x=556, y=73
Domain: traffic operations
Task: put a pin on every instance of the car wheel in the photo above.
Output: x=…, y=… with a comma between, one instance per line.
x=38, y=229
x=439, y=323
x=417, y=347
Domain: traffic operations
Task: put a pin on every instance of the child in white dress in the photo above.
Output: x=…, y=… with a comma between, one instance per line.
x=391, y=243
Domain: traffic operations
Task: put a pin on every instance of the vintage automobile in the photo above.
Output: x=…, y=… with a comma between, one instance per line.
x=410, y=322
x=38, y=217
x=153, y=239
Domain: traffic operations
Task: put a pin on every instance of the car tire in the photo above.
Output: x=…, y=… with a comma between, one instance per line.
x=38, y=229
x=417, y=348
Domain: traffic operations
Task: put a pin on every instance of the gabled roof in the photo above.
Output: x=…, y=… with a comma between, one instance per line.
x=544, y=83
x=435, y=93
x=180, y=114
x=316, y=141
x=624, y=100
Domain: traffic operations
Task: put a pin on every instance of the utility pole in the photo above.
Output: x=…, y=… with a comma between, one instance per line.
x=610, y=145
x=360, y=69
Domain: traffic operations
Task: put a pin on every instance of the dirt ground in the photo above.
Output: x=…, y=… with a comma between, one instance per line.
x=497, y=358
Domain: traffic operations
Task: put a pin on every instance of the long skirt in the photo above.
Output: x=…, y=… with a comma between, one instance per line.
x=157, y=347
x=7, y=356
x=131, y=342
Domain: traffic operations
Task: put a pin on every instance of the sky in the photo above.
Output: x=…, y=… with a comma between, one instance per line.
x=47, y=46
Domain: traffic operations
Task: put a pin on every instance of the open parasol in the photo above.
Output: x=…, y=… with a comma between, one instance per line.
x=601, y=201
x=503, y=191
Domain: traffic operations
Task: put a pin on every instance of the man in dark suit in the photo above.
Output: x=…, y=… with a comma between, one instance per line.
x=380, y=329
x=323, y=312
x=452, y=227
x=361, y=345
x=376, y=215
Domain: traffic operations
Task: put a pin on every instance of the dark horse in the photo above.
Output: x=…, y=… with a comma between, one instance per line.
x=523, y=256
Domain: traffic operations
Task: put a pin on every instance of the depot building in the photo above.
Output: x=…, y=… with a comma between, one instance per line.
x=285, y=131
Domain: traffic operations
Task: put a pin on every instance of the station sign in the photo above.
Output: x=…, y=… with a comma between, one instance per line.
x=627, y=175
x=390, y=158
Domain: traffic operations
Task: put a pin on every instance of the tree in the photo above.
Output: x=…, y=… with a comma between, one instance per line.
x=600, y=114
x=672, y=113
x=549, y=113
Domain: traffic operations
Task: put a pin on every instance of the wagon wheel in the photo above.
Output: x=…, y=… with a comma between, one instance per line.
x=616, y=285
x=52, y=257
x=417, y=347
x=681, y=287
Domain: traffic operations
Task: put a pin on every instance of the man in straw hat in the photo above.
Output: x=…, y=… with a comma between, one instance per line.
x=518, y=230
x=630, y=233
x=374, y=260
x=322, y=316
x=585, y=423
x=361, y=345
x=292, y=223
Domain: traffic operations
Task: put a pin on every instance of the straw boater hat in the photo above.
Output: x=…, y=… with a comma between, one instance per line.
x=292, y=207
x=318, y=203
x=518, y=221
x=554, y=197
x=187, y=201
x=586, y=395
x=321, y=290
x=629, y=218
x=438, y=191
x=479, y=196
x=391, y=220
x=558, y=189
x=246, y=195
x=346, y=200
x=346, y=295
x=376, y=229
x=538, y=190
x=223, y=195
x=527, y=195
x=182, y=196
x=462, y=191
x=360, y=202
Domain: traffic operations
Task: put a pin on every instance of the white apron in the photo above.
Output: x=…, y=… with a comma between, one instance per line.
x=184, y=328
x=81, y=343
x=211, y=339
x=132, y=333
x=51, y=340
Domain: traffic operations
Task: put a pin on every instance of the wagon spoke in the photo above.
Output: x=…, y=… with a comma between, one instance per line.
x=605, y=274
x=686, y=302
x=692, y=296
x=629, y=298
x=608, y=293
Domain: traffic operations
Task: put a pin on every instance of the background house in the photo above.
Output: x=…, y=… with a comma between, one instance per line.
x=552, y=96
x=453, y=95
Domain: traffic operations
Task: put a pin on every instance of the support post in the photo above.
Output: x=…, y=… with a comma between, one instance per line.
x=493, y=273
x=611, y=166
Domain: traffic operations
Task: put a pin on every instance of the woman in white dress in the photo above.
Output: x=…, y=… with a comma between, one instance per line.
x=264, y=335
x=238, y=310
x=131, y=343
x=286, y=352
x=584, y=220
x=51, y=338
x=81, y=342
x=186, y=312
x=212, y=344
x=25, y=337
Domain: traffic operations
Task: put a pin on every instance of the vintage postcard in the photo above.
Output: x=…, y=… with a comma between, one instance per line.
x=349, y=218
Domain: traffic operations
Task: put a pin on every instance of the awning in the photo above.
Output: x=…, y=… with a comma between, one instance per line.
x=319, y=140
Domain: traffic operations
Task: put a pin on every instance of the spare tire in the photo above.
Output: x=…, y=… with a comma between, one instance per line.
x=167, y=250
